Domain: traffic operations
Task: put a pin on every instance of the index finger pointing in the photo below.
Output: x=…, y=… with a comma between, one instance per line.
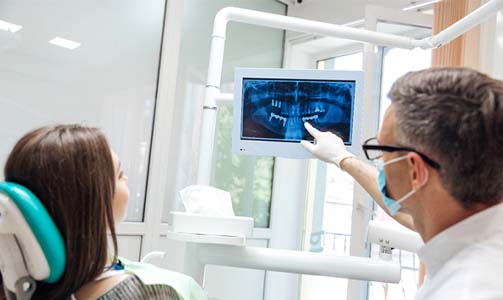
x=313, y=131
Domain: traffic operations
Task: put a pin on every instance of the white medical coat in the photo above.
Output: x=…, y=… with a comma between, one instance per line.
x=465, y=261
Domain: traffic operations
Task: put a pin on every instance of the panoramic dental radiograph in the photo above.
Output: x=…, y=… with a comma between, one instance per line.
x=276, y=109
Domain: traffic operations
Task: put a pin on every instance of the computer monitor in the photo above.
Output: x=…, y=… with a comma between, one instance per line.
x=271, y=106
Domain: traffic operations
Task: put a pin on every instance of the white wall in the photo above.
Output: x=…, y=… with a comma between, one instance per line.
x=110, y=81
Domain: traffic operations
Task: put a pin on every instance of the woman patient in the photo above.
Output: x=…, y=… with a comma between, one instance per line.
x=78, y=178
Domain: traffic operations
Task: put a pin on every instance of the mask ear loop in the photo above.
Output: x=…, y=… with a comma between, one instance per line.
x=414, y=191
x=394, y=160
x=427, y=177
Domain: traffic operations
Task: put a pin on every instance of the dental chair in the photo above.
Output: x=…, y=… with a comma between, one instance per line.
x=31, y=247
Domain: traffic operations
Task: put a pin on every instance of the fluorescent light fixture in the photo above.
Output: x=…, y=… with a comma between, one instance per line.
x=9, y=26
x=64, y=43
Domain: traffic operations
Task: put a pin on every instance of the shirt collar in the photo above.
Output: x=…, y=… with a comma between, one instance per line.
x=469, y=231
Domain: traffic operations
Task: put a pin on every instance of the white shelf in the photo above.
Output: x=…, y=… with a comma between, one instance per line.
x=192, y=223
x=207, y=239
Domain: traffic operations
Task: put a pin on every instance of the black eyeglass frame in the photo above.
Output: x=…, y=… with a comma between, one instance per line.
x=388, y=148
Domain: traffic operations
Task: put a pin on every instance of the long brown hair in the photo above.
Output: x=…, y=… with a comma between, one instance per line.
x=70, y=169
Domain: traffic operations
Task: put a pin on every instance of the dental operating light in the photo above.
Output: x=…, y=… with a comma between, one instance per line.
x=232, y=14
x=393, y=236
x=200, y=253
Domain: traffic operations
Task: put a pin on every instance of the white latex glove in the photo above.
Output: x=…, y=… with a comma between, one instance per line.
x=327, y=146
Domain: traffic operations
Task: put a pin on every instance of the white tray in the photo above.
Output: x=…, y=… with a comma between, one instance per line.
x=213, y=225
x=207, y=238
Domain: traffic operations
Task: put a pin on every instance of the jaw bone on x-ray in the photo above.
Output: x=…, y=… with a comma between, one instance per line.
x=276, y=109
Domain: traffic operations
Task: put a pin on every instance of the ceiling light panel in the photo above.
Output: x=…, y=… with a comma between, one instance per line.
x=61, y=42
x=6, y=26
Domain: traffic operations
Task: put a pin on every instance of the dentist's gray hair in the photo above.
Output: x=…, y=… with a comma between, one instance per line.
x=455, y=116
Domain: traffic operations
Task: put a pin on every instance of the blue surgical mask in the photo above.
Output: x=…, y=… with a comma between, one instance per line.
x=393, y=206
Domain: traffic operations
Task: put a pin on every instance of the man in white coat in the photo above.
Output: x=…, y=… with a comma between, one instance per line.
x=439, y=158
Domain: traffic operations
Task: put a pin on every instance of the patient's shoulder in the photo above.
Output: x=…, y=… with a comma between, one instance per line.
x=133, y=288
x=93, y=289
x=125, y=287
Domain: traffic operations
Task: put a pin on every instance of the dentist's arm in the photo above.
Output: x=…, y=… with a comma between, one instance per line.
x=328, y=147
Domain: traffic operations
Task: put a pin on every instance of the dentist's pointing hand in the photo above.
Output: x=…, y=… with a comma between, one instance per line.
x=327, y=146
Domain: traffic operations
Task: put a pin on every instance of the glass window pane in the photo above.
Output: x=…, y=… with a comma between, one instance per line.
x=339, y=186
x=337, y=218
x=248, y=179
x=407, y=287
x=337, y=207
x=350, y=62
x=109, y=81
x=396, y=63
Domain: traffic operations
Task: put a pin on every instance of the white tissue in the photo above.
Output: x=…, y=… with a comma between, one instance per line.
x=207, y=200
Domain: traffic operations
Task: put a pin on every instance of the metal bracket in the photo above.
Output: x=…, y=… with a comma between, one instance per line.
x=25, y=288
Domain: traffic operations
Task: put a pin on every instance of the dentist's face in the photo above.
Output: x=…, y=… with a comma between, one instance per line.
x=121, y=195
x=396, y=173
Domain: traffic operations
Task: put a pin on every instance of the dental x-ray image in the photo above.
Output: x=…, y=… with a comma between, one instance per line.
x=276, y=109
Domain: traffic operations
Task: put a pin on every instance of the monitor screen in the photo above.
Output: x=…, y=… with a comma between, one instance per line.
x=272, y=105
x=276, y=109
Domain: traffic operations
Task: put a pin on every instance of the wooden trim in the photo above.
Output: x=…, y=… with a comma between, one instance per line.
x=463, y=51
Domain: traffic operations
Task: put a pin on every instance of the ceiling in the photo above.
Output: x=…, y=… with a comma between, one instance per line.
x=113, y=35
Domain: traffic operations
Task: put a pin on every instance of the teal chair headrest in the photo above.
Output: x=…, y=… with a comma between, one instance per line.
x=45, y=231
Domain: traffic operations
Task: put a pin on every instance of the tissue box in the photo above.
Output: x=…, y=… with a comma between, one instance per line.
x=212, y=225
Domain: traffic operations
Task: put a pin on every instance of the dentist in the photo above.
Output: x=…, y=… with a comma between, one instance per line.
x=439, y=172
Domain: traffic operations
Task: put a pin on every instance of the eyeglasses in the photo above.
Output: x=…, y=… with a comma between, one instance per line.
x=374, y=151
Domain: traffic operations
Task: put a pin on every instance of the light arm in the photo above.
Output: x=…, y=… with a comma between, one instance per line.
x=228, y=14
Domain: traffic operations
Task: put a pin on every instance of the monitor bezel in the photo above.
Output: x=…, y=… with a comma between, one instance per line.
x=291, y=149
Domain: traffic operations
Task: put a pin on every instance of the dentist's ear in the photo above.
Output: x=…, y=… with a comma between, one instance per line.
x=418, y=171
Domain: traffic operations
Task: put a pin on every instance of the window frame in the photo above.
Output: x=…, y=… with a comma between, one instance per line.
x=373, y=58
